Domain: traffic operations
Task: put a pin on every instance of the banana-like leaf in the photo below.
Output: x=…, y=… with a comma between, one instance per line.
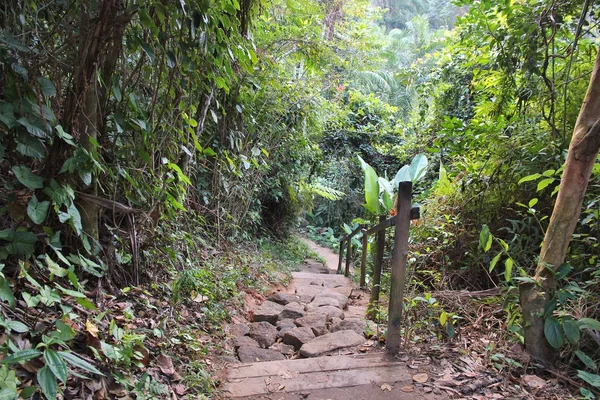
x=371, y=187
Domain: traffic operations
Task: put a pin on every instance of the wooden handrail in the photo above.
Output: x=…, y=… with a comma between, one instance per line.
x=352, y=234
x=415, y=213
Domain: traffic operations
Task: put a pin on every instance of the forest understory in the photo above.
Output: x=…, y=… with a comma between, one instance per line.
x=158, y=159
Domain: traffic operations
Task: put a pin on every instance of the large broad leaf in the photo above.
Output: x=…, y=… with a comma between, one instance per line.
x=6, y=293
x=585, y=359
x=37, y=210
x=571, y=331
x=418, y=167
x=47, y=381
x=403, y=175
x=79, y=363
x=371, y=188
x=28, y=178
x=589, y=323
x=47, y=87
x=508, y=267
x=592, y=379
x=56, y=364
x=553, y=332
x=22, y=243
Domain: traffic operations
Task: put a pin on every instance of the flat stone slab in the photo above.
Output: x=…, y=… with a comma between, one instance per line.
x=268, y=311
x=323, y=301
x=292, y=311
x=264, y=333
x=298, y=336
x=249, y=354
x=309, y=292
x=315, y=321
x=332, y=312
x=331, y=342
x=342, y=299
x=345, y=290
x=355, y=324
x=284, y=298
x=285, y=349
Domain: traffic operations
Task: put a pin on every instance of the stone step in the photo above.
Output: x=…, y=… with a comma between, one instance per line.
x=312, y=373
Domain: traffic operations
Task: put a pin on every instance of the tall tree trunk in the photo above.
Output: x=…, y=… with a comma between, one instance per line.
x=583, y=151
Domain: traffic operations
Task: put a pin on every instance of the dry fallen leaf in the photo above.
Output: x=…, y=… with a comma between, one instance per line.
x=385, y=387
x=533, y=381
x=179, y=389
x=165, y=363
x=200, y=298
x=91, y=328
x=421, y=378
x=407, y=389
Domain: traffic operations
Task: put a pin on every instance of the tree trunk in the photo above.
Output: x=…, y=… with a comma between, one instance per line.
x=583, y=151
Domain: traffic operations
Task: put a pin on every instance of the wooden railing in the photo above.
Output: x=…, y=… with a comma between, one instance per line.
x=401, y=221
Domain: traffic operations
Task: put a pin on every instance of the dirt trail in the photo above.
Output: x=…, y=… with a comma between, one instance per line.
x=310, y=341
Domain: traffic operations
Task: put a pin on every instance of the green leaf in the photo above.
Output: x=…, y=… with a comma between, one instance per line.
x=28, y=391
x=33, y=129
x=55, y=269
x=563, y=271
x=28, y=178
x=403, y=175
x=87, y=304
x=592, y=379
x=585, y=359
x=544, y=183
x=589, y=323
x=529, y=178
x=495, y=261
x=22, y=243
x=7, y=394
x=145, y=19
x=48, y=88
x=37, y=210
x=571, y=331
x=6, y=293
x=418, y=167
x=22, y=356
x=47, y=382
x=532, y=202
x=149, y=51
x=485, y=238
x=553, y=332
x=17, y=326
x=79, y=363
x=371, y=187
x=508, y=267
x=209, y=152
x=56, y=364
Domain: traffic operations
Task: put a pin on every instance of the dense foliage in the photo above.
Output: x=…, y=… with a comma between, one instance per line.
x=142, y=141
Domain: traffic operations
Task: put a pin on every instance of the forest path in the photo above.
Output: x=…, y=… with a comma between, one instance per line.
x=308, y=342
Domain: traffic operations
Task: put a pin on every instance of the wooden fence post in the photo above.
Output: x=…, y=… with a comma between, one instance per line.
x=376, y=288
x=348, y=257
x=363, y=261
x=399, y=260
x=339, y=269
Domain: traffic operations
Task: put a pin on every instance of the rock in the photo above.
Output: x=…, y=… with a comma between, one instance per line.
x=308, y=292
x=316, y=321
x=281, y=333
x=244, y=341
x=334, y=321
x=293, y=311
x=238, y=330
x=315, y=283
x=342, y=300
x=264, y=333
x=345, y=290
x=312, y=319
x=298, y=336
x=268, y=311
x=331, y=342
x=285, y=322
x=284, y=298
x=322, y=302
x=285, y=349
x=330, y=311
x=357, y=325
x=255, y=354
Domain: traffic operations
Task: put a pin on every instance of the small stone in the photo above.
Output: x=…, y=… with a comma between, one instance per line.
x=268, y=311
x=316, y=321
x=244, y=341
x=284, y=298
x=356, y=324
x=284, y=329
x=285, y=322
x=285, y=349
x=256, y=354
x=298, y=336
x=322, y=302
x=333, y=321
x=238, y=330
x=342, y=300
x=264, y=333
x=292, y=311
x=315, y=283
x=331, y=342
x=319, y=330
